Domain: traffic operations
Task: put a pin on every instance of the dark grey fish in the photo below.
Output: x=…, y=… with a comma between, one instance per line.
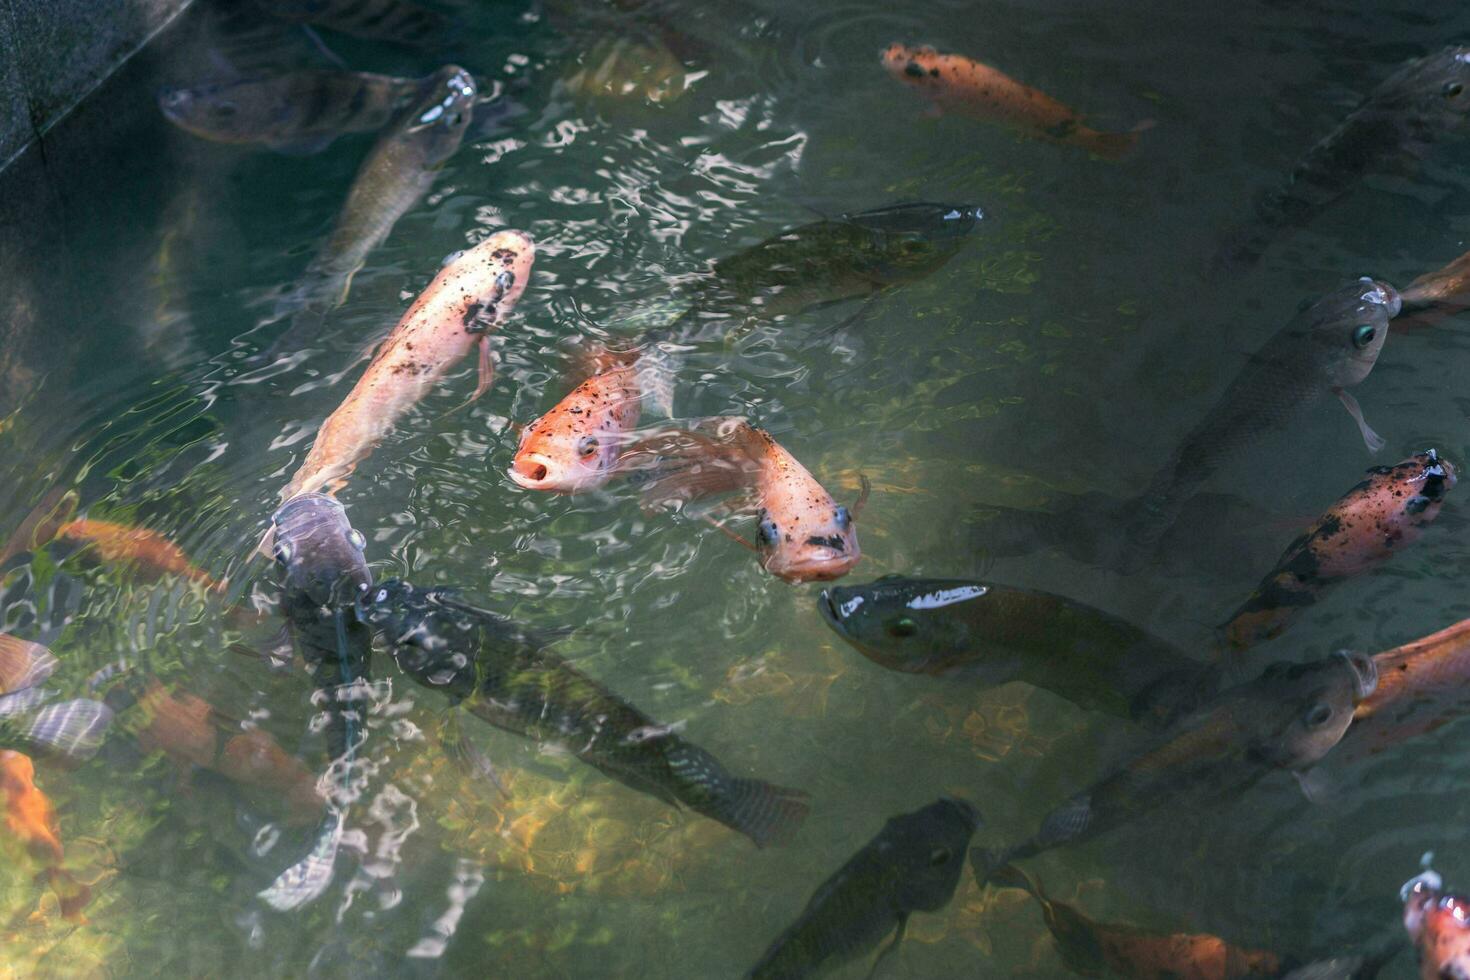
x=298, y=111
x=1330, y=346
x=397, y=173
x=1416, y=106
x=505, y=676
x=913, y=865
x=990, y=633
x=852, y=256
x=1286, y=719
x=321, y=556
x=399, y=21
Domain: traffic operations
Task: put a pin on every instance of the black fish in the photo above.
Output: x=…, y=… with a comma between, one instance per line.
x=505, y=676
x=1389, y=132
x=913, y=865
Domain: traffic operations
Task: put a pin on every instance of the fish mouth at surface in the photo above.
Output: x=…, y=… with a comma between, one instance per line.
x=535, y=471
x=830, y=612
x=821, y=566
x=1365, y=674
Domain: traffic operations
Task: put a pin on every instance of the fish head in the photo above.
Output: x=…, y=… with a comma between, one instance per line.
x=491, y=277
x=574, y=446
x=1434, y=89
x=1294, y=714
x=1415, y=489
x=814, y=541
x=1438, y=922
x=927, y=848
x=438, y=118
x=1348, y=326
x=909, y=624
x=319, y=551
x=228, y=112
x=906, y=242
x=389, y=604
x=916, y=66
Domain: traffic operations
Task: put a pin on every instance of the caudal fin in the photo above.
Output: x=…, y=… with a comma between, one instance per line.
x=765, y=813
x=1116, y=146
x=23, y=664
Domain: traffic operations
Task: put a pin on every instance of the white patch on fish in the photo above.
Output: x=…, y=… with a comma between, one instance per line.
x=850, y=606
x=947, y=597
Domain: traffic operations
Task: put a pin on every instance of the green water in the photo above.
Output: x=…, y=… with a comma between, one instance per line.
x=1065, y=348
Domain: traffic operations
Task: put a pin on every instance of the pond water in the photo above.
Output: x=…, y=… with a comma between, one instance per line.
x=1065, y=348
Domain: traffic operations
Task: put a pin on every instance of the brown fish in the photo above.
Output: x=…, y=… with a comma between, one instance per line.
x=1093, y=949
x=147, y=552
x=470, y=296
x=959, y=84
x=1435, y=295
x=1364, y=528
x=802, y=533
x=1422, y=685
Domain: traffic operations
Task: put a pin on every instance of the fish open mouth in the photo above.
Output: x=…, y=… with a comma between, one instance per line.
x=827, y=607
x=1365, y=674
x=824, y=565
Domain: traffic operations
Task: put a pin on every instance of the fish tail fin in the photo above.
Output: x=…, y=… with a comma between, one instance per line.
x=987, y=863
x=23, y=664
x=1010, y=876
x=1116, y=146
x=765, y=813
x=657, y=372
x=682, y=466
x=72, y=730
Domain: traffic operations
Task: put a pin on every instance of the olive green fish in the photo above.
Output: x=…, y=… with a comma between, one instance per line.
x=399, y=21
x=1286, y=719
x=993, y=634
x=296, y=112
x=1330, y=346
x=1393, y=128
x=913, y=865
x=397, y=173
x=505, y=676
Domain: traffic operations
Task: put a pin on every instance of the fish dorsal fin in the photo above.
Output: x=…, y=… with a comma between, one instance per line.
x=681, y=466
x=23, y=664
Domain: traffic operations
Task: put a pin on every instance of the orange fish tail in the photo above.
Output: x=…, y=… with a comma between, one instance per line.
x=1113, y=146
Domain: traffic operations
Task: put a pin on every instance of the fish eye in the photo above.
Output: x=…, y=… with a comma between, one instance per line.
x=940, y=855
x=1452, y=89
x=587, y=446
x=901, y=626
x=768, y=532
x=382, y=596
x=842, y=517
x=358, y=541
x=1317, y=715
x=1363, y=335
x=283, y=551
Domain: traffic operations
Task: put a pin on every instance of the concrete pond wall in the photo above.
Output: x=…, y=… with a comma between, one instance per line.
x=54, y=52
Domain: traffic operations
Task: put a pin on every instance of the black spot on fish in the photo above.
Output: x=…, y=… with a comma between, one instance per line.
x=1417, y=505
x=934, y=72
x=834, y=542
x=914, y=69
x=471, y=314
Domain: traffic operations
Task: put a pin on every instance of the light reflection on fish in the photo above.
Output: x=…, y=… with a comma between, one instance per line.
x=1438, y=923
x=1330, y=346
x=993, y=633
x=299, y=111
x=1393, y=128
x=912, y=865
x=505, y=676
x=1364, y=528
x=1286, y=719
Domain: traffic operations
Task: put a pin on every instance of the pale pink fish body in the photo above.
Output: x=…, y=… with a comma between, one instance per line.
x=469, y=297
x=576, y=445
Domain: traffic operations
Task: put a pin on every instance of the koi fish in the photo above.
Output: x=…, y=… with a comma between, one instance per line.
x=1422, y=686
x=1436, y=295
x=577, y=445
x=1393, y=128
x=505, y=676
x=140, y=549
x=913, y=865
x=1438, y=924
x=1286, y=719
x=296, y=112
x=994, y=634
x=959, y=84
x=398, y=21
x=471, y=295
x=1092, y=949
x=1364, y=528
x=1328, y=347
x=802, y=533
x=30, y=818
x=395, y=176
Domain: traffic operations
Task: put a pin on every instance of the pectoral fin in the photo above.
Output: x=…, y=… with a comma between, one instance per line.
x=656, y=371
x=1372, y=439
x=487, y=369
x=903, y=922
x=1315, y=786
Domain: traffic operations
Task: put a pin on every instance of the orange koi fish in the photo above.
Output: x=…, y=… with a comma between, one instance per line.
x=30, y=818
x=1438, y=923
x=470, y=296
x=802, y=533
x=577, y=444
x=965, y=86
x=1092, y=948
x=1435, y=295
x=146, y=551
x=1381, y=514
x=1423, y=685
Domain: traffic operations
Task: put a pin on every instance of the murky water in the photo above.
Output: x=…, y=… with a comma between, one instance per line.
x=1064, y=349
